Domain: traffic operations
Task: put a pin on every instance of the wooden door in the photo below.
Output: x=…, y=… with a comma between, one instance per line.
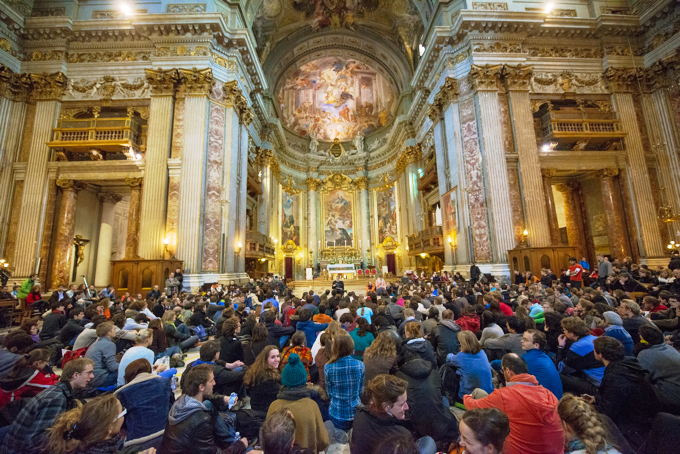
x=289, y=267
x=391, y=264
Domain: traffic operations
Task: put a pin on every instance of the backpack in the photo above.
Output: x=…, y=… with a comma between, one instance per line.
x=448, y=373
x=68, y=355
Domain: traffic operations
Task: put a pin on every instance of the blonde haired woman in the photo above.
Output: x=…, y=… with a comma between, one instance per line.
x=584, y=430
x=140, y=350
x=472, y=365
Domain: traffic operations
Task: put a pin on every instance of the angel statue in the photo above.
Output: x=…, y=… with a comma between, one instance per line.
x=359, y=144
x=313, y=145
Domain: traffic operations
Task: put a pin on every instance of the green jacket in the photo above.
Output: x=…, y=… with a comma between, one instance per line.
x=25, y=288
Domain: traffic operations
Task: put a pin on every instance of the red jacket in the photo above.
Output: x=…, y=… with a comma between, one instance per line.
x=26, y=386
x=32, y=298
x=469, y=322
x=535, y=426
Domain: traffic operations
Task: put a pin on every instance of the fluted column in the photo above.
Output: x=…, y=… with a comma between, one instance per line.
x=47, y=89
x=12, y=114
x=364, y=219
x=102, y=275
x=613, y=210
x=550, y=206
x=195, y=85
x=132, y=236
x=313, y=186
x=229, y=187
x=443, y=186
x=572, y=213
x=264, y=205
x=485, y=81
x=517, y=81
x=242, y=198
x=622, y=82
x=62, y=248
x=159, y=139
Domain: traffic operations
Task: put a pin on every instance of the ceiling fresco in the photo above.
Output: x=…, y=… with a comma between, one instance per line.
x=335, y=98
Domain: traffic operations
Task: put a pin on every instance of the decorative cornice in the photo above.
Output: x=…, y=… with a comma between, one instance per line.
x=517, y=77
x=48, y=86
x=485, y=77
x=162, y=81
x=195, y=82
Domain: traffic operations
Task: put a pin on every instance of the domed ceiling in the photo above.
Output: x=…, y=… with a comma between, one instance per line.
x=335, y=98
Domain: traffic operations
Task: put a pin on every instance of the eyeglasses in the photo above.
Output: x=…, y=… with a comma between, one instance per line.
x=121, y=414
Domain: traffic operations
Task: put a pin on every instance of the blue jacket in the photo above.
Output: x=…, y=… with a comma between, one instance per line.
x=542, y=367
x=147, y=399
x=474, y=371
x=311, y=329
x=620, y=333
x=580, y=357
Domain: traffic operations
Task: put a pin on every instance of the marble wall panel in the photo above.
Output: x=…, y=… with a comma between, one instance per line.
x=508, y=142
x=515, y=201
x=656, y=195
x=10, y=242
x=212, y=216
x=25, y=149
x=172, y=216
x=178, y=130
x=472, y=158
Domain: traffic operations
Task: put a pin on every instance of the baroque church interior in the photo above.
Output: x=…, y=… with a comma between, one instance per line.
x=238, y=138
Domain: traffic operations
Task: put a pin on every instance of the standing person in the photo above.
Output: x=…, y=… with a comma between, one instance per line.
x=179, y=276
x=535, y=426
x=604, y=270
x=483, y=431
x=28, y=431
x=171, y=285
x=575, y=273
x=475, y=273
x=344, y=381
x=23, y=291
x=191, y=425
x=381, y=416
x=103, y=354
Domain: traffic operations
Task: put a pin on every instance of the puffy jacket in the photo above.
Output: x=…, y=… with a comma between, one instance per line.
x=445, y=339
x=276, y=331
x=535, y=426
x=369, y=430
x=580, y=357
x=427, y=413
x=417, y=348
x=189, y=428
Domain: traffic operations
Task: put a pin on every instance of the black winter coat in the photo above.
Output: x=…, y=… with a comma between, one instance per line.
x=230, y=349
x=428, y=415
x=370, y=430
x=445, y=339
x=276, y=331
x=419, y=349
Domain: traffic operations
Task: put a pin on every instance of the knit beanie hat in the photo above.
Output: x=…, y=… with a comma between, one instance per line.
x=612, y=318
x=294, y=373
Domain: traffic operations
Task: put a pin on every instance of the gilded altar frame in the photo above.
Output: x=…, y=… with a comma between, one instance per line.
x=343, y=183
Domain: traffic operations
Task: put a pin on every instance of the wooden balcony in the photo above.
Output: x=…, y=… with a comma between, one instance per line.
x=104, y=134
x=428, y=241
x=586, y=129
x=259, y=245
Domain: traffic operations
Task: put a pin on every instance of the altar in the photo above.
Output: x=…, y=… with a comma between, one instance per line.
x=341, y=271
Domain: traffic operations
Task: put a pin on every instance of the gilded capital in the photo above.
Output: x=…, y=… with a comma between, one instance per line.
x=621, y=80
x=194, y=81
x=162, y=81
x=548, y=173
x=361, y=183
x=448, y=93
x=233, y=97
x=263, y=156
x=484, y=77
x=609, y=173
x=313, y=184
x=517, y=77
x=47, y=86
x=69, y=185
x=410, y=155
x=134, y=183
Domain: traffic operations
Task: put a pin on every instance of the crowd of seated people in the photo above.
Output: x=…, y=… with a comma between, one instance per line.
x=588, y=362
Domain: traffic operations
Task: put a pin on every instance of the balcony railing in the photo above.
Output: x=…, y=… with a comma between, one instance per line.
x=430, y=240
x=582, y=128
x=106, y=134
x=259, y=245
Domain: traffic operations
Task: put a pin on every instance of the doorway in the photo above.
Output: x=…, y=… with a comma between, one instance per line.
x=391, y=264
x=289, y=268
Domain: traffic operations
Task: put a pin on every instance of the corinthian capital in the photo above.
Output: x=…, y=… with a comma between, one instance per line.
x=195, y=81
x=621, y=80
x=313, y=184
x=361, y=183
x=517, y=77
x=48, y=86
x=69, y=185
x=162, y=81
x=484, y=77
x=609, y=173
x=134, y=183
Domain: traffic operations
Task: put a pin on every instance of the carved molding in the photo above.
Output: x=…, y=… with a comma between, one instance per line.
x=196, y=82
x=621, y=80
x=107, y=87
x=485, y=77
x=517, y=77
x=566, y=82
x=186, y=8
x=498, y=47
x=162, y=81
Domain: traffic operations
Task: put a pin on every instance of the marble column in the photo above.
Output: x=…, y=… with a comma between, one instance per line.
x=62, y=252
x=195, y=85
x=264, y=203
x=652, y=246
x=230, y=189
x=613, y=210
x=485, y=81
x=159, y=140
x=313, y=186
x=132, y=236
x=242, y=198
x=47, y=90
x=102, y=275
x=443, y=185
x=12, y=116
x=365, y=219
x=517, y=81
x=572, y=213
x=548, y=174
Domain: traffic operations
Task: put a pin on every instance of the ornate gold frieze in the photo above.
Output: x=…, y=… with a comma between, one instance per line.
x=106, y=87
x=338, y=181
x=517, y=77
x=48, y=86
x=484, y=77
x=228, y=64
x=498, y=47
x=565, y=52
x=45, y=55
x=384, y=183
x=113, y=13
x=490, y=6
x=162, y=81
x=110, y=56
x=182, y=51
x=48, y=12
x=186, y=8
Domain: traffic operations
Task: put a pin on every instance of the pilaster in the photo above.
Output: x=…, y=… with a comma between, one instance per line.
x=548, y=175
x=102, y=275
x=134, y=206
x=613, y=210
x=62, y=247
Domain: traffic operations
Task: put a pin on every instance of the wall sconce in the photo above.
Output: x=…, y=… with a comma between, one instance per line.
x=423, y=255
x=300, y=255
x=672, y=246
x=523, y=239
x=166, y=242
x=237, y=247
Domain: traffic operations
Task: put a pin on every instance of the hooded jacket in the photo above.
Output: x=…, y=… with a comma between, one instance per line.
x=310, y=431
x=369, y=430
x=189, y=428
x=26, y=383
x=445, y=339
x=417, y=348
x=627, y=397
x=428, y=415
x=535, y=426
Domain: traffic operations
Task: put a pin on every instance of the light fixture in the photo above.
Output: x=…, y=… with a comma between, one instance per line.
x=125, y=7
x=238, y=246
x=523, y=238
x=423, y=255
x=138, y=156
x=449, y=239
x=549, y=6
x=421, y=49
